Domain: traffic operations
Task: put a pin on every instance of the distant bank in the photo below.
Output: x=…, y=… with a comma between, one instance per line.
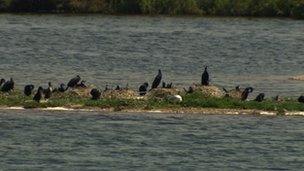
x=254, y=8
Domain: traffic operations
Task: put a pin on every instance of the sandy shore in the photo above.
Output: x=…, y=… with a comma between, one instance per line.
x=202, y=111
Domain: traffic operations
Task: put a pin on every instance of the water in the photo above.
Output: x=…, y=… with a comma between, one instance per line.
x=262, y=53
x=43, y=140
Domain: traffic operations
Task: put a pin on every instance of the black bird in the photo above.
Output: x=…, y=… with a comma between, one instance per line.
x=118, y=88
x=95, y=93
x=157, y=80
x=260, y=97
x=48, y=92
x=190, y=90
x=62, y=88
x=143, y=89
x=164, y=85
x=170, y=85
x=28, y=89
x=73, y=82
x=38, y=95
x=8, y=85
x=2, y=81
x=246, y=93
x=301, y=99
x=205, y=77
x=82, y=84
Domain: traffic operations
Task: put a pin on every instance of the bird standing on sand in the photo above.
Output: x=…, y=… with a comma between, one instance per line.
x=143, y=89
x=28, y=89
x=73, y=82
x=38, y=95
x=48, y=92
x=205, y=77
x=8, y=86
x=95, y=93
x=157, y=80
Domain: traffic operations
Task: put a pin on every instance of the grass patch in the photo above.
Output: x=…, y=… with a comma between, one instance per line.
x=195, y=100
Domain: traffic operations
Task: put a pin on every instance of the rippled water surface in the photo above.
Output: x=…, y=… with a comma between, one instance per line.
x=37, y=140
x=129, y=49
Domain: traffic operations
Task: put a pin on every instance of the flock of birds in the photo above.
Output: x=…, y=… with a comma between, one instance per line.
x=76, y=82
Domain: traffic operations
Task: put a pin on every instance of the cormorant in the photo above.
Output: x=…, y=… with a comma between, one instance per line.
x=205, y=77
x=2, y=81
x=8, y=85
x=157, y=80
x=73, y=82
x=118, y=88
x=260, y=97
x=62, y=88
x=81, y=84
x=95, y=93
x=246, y=93
x=38, y=95
x=301, y=99
x=48, y=92
x=28, y=89
x=143, y=89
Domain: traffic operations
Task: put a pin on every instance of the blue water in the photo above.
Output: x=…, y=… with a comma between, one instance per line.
x=43, y=140
x=262, y=53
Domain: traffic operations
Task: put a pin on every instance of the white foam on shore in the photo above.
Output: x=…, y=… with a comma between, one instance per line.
x=57, y=109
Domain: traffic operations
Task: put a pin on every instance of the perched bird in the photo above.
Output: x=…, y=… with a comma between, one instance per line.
x=205, y=77
x=95, y=93
x=245, y=93
x=190, y=90
x=62, y=88
x=28, y=89
x=8, y=86
x=2, y=81
x=48, y=92
x=38, y=95
x=157, y=80
x=301, y=99
x=164, y=85
x=73, y=82
x=81, y=84
x=143, y=89
x=118, y=88
x=260, y=97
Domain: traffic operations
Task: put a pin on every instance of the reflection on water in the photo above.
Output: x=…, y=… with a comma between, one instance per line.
x=130, y=49
x=97, y=141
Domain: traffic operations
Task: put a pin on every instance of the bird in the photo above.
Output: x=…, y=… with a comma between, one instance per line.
x=260, y=97
x=245, y=93
x=143, y=89
x=8, y=85
x=73, y=82
x=81, y=84
x=62, y=88
x=118, y=88
x=48, y=92
x=164, y=85
x=301, y=99
x=28, y=89
x=157, y=80
x=190, y=90
x=95, y=93
x=2, y=81
x=205, y=77
x=38, y=95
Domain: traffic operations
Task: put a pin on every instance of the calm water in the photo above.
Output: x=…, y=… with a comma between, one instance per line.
x=36, y=140
x=130, y=49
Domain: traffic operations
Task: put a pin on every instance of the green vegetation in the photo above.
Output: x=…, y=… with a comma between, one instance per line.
x=260, y=8
x=195, y=100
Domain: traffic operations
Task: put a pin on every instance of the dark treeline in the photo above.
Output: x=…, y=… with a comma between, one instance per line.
x=260, y=8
